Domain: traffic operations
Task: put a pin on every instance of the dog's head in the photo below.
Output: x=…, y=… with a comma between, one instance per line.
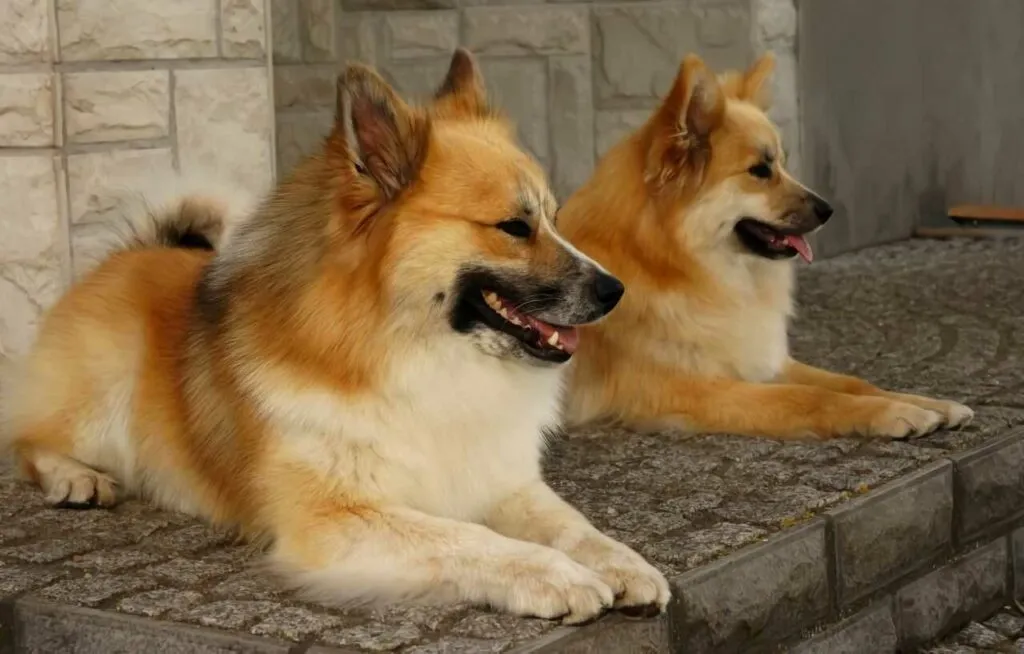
x=711, y=148
x=456, y=220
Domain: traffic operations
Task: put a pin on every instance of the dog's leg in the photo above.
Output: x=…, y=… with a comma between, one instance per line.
x=954, y=413
x=339, y=552
x=67, y=483
x=782, y=411
x=538, y=515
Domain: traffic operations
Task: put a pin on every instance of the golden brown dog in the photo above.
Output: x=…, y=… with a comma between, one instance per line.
x=360, y=375
x=696, y=213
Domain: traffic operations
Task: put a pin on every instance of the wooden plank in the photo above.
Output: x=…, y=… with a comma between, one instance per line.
x=978, y=214
x=966, y=232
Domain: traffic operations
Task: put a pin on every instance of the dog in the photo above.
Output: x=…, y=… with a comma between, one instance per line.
x=697, y=215
x=358, y=377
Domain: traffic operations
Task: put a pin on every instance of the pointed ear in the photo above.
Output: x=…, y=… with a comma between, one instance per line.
x=757, y=81
x=462, y=93
x=382, y=139
x=691, y=111
x=696, y=102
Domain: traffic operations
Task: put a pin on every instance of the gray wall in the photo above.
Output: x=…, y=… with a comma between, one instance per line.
x=909, y=106
x=575, y=76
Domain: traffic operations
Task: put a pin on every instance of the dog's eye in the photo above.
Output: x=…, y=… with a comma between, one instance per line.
x=515, y=227
x=761, y=171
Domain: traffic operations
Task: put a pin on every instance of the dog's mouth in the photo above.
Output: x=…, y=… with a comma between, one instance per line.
x=543, y=340
x=772, y=243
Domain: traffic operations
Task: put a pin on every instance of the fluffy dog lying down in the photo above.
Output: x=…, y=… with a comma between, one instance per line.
x=359, y=375
x=696, y=213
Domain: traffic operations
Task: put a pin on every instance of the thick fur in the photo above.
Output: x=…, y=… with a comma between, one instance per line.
x=305, y=383
x=699, y=342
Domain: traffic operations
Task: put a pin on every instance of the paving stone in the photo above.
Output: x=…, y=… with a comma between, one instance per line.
x=990, y=486
x=249, y=585
x=461, y=646
x=188, y=572
x=374, y=637
x=15, y=579
x=931, y=605
x=1008, y=624
x=872, y=630
x=294, y=623
x=91, y=590
x=155, y=603
x=893, y=532
x=762, y=595
x=227, y=614
x=978, y=635
x=497, y=626
x=113, y=560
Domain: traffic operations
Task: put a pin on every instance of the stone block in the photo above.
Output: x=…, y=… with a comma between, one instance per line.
x=294, y=623
x=639, y=48
x=550, y=30
x=317, y=29
x=415, y=35
x=418, y=79
x=724, y=25
x=26, y=110
x=94, y=589
x=397, y=5
x=44, y=628
x=116, y=106
x=519, y=87
x=763, y=594
x=298, y=136
x=1017, y=551
x=243, y=29
x=612, y=635
x=946, y=598
x=97, y=186
x=24, y=31
x=154, y=603
x=611, y=127
x=872, y=630
x=776, y=23
x=136, y=29
x=224, y=124
x=361, y=38
x=892, y=532
x=989, y=486
x=287, y=45
x=30, y=222
x=571, y=116
x=305, y=87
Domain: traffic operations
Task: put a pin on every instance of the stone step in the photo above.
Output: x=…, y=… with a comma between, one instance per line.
x=835, y=546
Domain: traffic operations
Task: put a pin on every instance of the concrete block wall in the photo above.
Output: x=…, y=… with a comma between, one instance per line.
x=94, y=91
x=576, y=76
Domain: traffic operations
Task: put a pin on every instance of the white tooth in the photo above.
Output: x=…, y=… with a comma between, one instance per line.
x=553, y=339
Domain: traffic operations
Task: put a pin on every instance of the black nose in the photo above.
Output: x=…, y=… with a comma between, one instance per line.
x=608, y=290
x=822, y=209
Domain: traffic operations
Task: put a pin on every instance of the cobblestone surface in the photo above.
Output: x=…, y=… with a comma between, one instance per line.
x=942, y=318
x=1003, y=632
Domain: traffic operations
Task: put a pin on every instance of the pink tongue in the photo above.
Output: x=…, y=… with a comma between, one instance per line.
x=568, y=337
x=800, y=244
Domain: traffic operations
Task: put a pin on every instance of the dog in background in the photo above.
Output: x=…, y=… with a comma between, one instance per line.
x=696, y=213
x=360, y=374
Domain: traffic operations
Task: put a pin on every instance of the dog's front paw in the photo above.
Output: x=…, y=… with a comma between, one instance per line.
x=954, y=414
x=903, y=420
x=549, y=584
x=639, y=588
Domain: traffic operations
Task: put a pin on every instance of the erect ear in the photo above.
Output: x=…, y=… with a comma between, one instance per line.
x=462, y=93
x=382, y=138
x=691, y=111
x=757, y=81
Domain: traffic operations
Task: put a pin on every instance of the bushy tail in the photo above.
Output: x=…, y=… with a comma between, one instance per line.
x=165, y=211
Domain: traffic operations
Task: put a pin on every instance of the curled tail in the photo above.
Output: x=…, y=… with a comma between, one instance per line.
x=165, y=211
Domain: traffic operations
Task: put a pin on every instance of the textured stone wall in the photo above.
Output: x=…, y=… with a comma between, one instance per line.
x=575, y=76
x=93, y=92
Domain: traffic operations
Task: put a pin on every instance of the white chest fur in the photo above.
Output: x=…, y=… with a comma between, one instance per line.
x=451, y=431
x=739, y=331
